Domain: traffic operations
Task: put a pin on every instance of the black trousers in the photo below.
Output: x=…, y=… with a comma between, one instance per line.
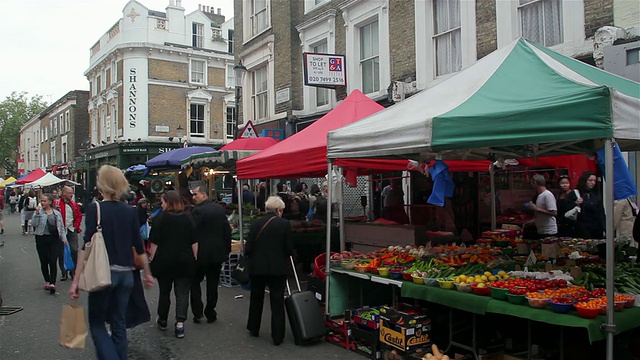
x=276, y=298
x=212, y=273
x=48, y=247
x=72, y=239
x=181, y=290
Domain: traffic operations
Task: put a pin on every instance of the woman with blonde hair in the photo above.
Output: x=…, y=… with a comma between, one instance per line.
x=121, y=233
x=50, y=235
x=173, y=252
x=268, y=249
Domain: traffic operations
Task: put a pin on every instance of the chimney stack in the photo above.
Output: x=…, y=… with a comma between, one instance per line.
x=199, y=7
x=207, y=8
x=219, y=11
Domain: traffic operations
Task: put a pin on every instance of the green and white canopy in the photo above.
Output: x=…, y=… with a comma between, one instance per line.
x=223, y=158
x=522, y=100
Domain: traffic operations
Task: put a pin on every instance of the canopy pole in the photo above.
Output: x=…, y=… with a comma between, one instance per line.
x=370, y=215
x=492, y=180
x=327, y=268
x=240, y=225
x=340, y=185
x=610, y=326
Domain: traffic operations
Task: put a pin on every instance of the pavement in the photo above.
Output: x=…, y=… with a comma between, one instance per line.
x=34, y=332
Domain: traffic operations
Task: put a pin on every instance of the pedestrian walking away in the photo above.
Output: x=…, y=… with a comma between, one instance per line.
x=72, y=218
x=173, y=258
x=268, y=249
x=213, y=234
x=50, y=236
x=30, y=204
x=121, y=233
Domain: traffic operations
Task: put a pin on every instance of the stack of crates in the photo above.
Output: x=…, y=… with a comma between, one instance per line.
x=227, y=268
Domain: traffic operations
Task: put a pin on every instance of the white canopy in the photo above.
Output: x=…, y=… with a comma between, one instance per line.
x=49, y=179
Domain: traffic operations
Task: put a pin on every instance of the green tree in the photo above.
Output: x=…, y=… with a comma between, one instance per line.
x=15, y=111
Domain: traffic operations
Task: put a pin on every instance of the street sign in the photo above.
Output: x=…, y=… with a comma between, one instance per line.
x=248, y=132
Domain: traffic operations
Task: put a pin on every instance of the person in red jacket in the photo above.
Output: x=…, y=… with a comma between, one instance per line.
x=72, y=219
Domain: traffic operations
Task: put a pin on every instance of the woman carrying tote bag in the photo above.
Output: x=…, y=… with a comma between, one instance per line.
x=119, y=228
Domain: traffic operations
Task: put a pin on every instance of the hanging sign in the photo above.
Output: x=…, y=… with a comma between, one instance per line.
x=249, y=131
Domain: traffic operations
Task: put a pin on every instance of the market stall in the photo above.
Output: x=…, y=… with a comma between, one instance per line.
x=520, y=101
x=304, y=153
x=48, y=180
x=32, y=176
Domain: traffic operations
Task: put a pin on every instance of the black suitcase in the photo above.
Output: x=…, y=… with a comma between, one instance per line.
x=304, y=313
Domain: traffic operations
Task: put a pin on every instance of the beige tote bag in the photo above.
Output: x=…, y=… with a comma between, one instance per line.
x=97, y=271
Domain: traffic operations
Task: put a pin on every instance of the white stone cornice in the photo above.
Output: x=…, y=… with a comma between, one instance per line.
x=112, y=95
x=329, y=14
x=199, y=94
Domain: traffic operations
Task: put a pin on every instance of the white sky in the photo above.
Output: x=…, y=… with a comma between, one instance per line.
x=45, y=43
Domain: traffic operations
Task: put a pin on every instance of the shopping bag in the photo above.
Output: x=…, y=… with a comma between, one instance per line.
x=241, y=272
x=68, y=260
x=144, y=231
x=573, y=213
x=97, y=271
x=73, y=326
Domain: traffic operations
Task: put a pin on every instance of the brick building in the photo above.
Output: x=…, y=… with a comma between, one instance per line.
x=394, y=48
x=52, y=139
x=158, y=80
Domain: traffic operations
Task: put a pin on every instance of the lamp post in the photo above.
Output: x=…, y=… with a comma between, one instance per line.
x=180, y=133
x=239, y=70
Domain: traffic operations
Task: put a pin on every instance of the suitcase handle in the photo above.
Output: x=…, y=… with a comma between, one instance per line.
x=295, y=274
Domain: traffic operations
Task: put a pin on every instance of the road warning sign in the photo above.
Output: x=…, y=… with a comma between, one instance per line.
x=248, y=132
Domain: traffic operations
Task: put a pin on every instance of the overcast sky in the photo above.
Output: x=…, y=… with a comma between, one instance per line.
x=45, y=43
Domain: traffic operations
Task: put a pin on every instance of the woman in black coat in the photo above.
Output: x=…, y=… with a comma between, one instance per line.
x=173, y=258
x=591, y=218
x=268, y=249
x=566, y=200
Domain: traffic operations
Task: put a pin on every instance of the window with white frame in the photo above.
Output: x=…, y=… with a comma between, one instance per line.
x=447, y=36
x=310, y=5
x=322, y=95
x=64, y=153
x=55, y=126
x=541, y=21
x=46, y=133
x=198, y=68
x=259, y=97
x=114, y=72
x=53, y=152
x=370, y=68
x=67, y=121
x=230, y=40
x=62, y=124
x=103, y=123
x=369, y=57
x=258, y=19
x=231, y=76
x=230, y=121
x=196, y=120
x=197, y=31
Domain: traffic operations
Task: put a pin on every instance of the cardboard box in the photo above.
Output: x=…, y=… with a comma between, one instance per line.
x=552, y=251
x=403, y=314
x=235, y=246
x=372, y=324
x=405, y=338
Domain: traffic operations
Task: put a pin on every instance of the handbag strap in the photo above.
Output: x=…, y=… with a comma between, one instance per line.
x=264, y=226
x=98, y=226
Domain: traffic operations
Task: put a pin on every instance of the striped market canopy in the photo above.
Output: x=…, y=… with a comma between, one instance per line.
x=224, y=158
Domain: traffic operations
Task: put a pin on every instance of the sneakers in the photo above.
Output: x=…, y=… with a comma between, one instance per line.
x=198, y=320
x=162, y=324
x=65, y=277
x=47, y=286
x=179, y=331
x=52, y=288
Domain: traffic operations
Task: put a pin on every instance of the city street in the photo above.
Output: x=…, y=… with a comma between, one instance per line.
x=33, y=333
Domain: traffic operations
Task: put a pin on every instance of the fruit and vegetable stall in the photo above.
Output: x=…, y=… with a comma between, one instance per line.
x=486, y=278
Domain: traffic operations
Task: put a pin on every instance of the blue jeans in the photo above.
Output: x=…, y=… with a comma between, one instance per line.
x=110, y=306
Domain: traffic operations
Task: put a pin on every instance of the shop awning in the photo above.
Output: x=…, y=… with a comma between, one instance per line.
x=304, y=154
x=33, y=176
x=520, y=101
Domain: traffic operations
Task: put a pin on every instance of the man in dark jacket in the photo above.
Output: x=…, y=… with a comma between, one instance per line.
x=213, y=235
